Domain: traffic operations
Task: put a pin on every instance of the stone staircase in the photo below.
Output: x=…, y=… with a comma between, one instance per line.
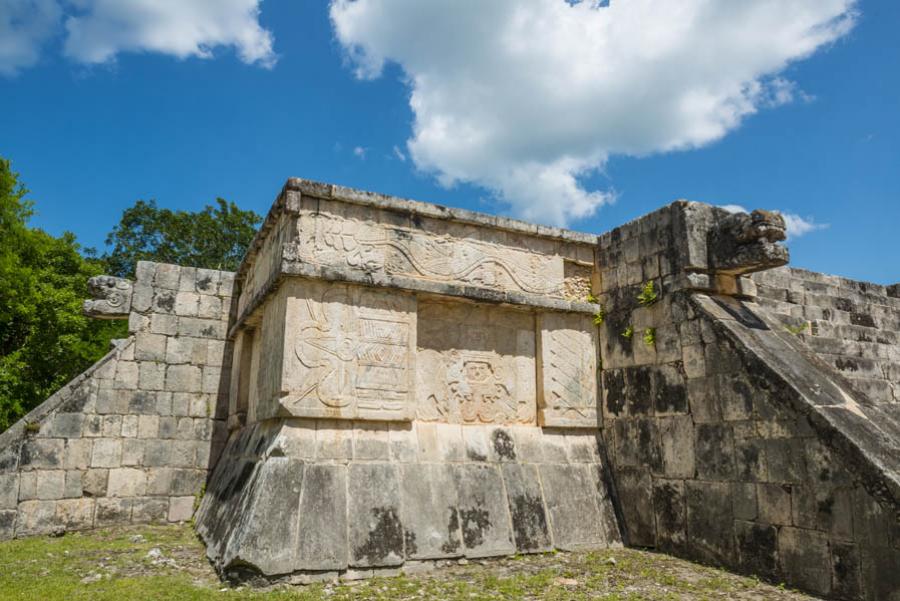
x=852, y=326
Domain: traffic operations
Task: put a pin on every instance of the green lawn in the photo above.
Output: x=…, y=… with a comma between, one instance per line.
x=167, y=562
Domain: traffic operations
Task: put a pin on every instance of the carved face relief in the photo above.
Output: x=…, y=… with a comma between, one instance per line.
x=112, y=297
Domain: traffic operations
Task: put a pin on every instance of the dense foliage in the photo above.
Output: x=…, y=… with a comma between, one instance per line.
x=215, y=237
x=44, y=339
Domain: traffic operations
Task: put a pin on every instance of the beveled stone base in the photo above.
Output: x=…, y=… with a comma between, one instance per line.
x=318, y=496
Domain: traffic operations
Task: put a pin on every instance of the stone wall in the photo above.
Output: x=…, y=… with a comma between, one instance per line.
x=728, y=446
x=853, y=326
x=133, y=437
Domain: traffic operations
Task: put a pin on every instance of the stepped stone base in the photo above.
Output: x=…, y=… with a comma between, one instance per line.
x=304, y=497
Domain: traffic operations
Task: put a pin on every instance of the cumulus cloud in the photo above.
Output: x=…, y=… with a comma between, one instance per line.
x=95, y=31
x=100, y=29
x=795, y=225
x=526, y=97
x=25, y=25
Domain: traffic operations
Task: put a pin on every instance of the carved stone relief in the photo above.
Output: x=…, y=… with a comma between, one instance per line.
x=348, y=352
x=568, y=396
x=374, y=247
x=112, y=297
x=475, y=364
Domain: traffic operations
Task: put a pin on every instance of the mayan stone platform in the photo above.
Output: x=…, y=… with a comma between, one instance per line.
x=387, y=385
x=408, y=384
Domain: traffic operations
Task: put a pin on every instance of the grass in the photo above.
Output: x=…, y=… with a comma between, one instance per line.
x=114, y=565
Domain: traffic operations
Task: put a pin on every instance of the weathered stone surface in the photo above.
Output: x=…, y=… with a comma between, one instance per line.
x=112, y=297
x=429, y=511
x=323, y=503
x=483, y=512
x=568, y=367
x=576, y=503
x=376, y=536
x=526, y=507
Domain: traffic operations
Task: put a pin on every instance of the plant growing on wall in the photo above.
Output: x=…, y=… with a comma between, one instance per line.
x=599, y=317
x=649, y=336
x=648, y=294
x=628, y=333
x=592, y=299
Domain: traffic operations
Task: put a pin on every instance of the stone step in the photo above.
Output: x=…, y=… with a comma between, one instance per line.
x=878, y=391
x=850, y=348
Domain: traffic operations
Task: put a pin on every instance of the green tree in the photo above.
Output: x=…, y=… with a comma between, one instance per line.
x=45, y=341
x=215, y=237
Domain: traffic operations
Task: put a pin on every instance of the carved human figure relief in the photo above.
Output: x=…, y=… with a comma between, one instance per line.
x=475, y=365
x=568, y=371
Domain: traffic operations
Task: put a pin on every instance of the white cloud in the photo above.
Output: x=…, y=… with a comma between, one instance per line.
x=795, y=225
x=98, y=30
x=24, y=27
x=524, y=97
x=360, y=152
x=101, y=29
x=798, y=226
x=399, y=154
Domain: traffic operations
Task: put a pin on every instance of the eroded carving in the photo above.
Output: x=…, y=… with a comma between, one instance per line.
x=352, y=348
x=112, y=297
x=568, y=371
x=747, y=242
x=396, y=250
x=475, y=364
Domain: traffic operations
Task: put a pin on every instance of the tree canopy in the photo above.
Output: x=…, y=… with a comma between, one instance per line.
x=44, y=339
x=215, y=238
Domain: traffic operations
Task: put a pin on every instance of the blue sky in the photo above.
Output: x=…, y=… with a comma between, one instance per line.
x=93, y=128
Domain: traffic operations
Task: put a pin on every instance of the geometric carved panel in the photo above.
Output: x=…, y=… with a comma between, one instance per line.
x=475, y=364
x=568, y=371
x=348, y=352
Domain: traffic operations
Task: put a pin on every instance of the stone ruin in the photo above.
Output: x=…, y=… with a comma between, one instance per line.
x=386, y=385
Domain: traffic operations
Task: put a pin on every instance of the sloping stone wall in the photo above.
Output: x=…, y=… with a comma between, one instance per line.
x=132, y=438
x=719, y=451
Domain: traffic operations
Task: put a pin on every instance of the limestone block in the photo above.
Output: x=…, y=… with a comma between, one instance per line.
x=63, y=425
x=187, y=303
x=370, y=441
x=28, y=486
x=804, y=556
x=671, y=515
x=107, y=452
x=75, y=514
x=36, y=517
x=575, y=504
x=132, y=451
x=162, y=323
x=51, y=484
x=167, y=276
x=148, y=426
x=348, y=352
x=149, y=347
x=181, y=509
x=7, y=524
x=483, y=512
x=376, y=534
x=428, y=511
x=76, y=453
x=111, y=511
x=41, y=453
x=186, y=349
x=112, y=426
x=526, y=507
x=183, y=378
x=323, y=502
x=403, y=441
x=129, y=427
x=127, y=482
x=334, y=439
x=708, y=507
x=209, y=307
x=94, y=481
x=201, y=328
x=149, y=509
x=475, y=364
x=9, y=491
x=152, y=376
x=126, y=375
x=73, y=486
